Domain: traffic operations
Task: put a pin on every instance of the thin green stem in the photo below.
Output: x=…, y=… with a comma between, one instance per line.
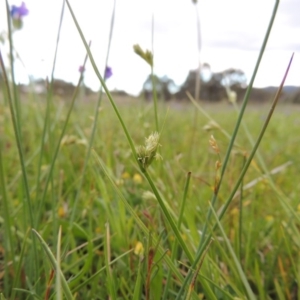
x=112, y=23
x=197, y=79
x=41, y=155
x=57, y=40
x=95, y=123
x=215, y=124
x=109, y=273
x=18, y=269
x=102, y=82
x=27, y=199
x=175, y=245
x=58, y=267
x=9, y=245
x=16, y=102
x=169, y=217
x=240, y=228
x=284, y=201
x=154, y=93
x=235, y=259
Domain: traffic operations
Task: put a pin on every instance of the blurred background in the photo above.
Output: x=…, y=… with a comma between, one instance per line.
x=232, y=32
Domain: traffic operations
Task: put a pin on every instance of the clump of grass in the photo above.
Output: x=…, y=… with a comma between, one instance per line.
x=119, y=224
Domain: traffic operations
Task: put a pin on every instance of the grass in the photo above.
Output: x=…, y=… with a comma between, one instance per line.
x=266, y=247
x=87, y=214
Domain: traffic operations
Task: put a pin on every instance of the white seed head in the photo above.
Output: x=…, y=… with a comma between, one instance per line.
x=148, y=196
x=147, y=153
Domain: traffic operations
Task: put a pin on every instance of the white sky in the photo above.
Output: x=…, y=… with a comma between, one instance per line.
x=232, y=33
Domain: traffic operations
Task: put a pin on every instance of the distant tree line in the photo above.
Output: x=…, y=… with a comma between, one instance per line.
x=214, y=87
x=213, y=84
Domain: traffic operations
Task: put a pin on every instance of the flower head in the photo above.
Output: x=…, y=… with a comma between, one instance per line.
x=137, y=178
x=148, y=152
x=108, y=72
x=148, y=196
x=81, y=69
x=145, y=55
x=139, y=249
x=17, y=12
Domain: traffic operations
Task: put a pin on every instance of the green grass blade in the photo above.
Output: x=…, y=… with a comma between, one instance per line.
x=279, y=291
x=19, y=266
x=242, y=275
x=138, y=284
x=55, y=266
x=154, y=93
x=79, y=286
x=110, y=277
x=169, y=218
x=58, y=277
x=175, y=245
x=5, y=201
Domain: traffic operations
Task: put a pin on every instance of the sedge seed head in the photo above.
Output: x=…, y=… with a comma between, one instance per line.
x=218, y=165
x=145, y=55
x=146, y=153
x=213, y=144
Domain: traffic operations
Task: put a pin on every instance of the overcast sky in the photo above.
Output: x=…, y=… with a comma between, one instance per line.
x=231, y=33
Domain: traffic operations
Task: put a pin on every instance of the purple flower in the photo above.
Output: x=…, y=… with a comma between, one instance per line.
x=81, y=69
x=17, y=12
x=108, y=72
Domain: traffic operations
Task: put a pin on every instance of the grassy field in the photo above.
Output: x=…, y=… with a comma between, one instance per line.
x=100, y=217
x=116, y=198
